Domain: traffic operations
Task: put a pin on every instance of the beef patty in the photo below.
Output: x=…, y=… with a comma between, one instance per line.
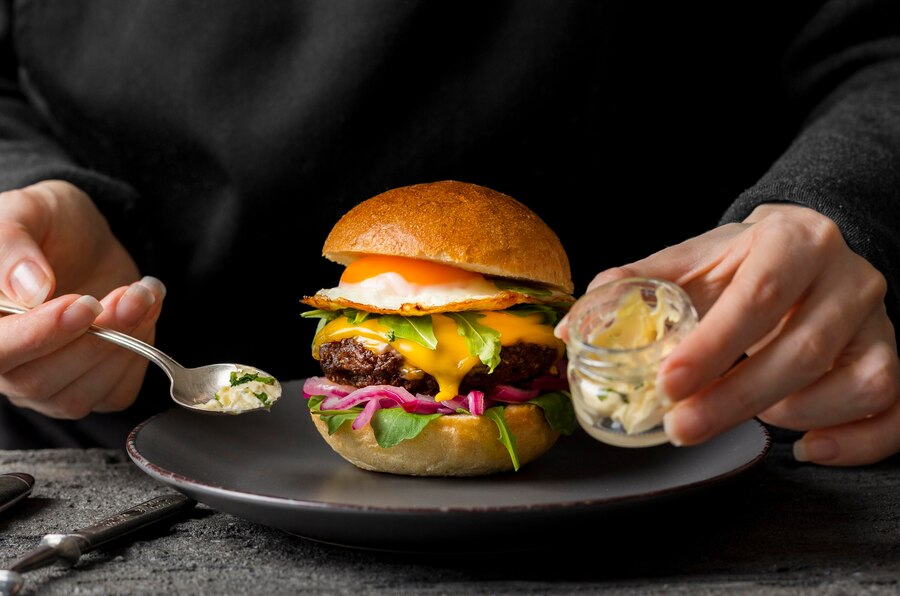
x=348, y=362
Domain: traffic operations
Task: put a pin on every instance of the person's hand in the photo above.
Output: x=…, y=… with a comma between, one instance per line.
x=785, y=289
x=54, y=242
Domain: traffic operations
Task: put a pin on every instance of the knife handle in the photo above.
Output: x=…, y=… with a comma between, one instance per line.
x=69, y=547
x=131, y=519
x=14, y=486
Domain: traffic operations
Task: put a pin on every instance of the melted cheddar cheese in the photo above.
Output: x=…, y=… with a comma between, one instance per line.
x=450, y=361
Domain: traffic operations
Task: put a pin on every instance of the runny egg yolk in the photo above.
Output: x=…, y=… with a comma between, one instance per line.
x=414, y=271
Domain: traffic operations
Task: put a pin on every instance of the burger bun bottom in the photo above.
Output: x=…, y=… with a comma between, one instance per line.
x=452, y=445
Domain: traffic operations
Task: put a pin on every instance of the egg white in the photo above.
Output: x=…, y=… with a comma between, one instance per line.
x=391, y=291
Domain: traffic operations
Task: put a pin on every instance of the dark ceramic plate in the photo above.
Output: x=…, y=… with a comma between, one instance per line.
x=273, y=468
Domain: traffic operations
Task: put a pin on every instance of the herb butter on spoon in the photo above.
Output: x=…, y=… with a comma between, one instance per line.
x=247, y=389
x=209, y=389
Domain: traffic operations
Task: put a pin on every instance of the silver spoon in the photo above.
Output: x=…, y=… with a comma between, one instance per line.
x=198, y=388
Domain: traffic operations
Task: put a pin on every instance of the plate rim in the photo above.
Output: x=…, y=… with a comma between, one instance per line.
x=193, y=485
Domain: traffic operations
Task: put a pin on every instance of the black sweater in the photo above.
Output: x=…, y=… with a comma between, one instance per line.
x=223, y=139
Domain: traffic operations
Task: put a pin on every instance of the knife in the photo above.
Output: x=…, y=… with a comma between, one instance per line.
x=68, y=548
x=14, y=486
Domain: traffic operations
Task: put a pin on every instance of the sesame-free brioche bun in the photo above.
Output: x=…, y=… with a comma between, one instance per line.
x=456, y=223
x=458, y=445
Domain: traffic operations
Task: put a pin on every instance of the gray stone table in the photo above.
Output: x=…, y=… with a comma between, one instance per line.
x=779, y=528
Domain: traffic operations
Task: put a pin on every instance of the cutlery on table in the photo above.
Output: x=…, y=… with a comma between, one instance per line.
x=192, y=388
x=68, y=548
x=14, y=486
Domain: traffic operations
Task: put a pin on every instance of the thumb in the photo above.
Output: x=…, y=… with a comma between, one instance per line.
x=25, y=275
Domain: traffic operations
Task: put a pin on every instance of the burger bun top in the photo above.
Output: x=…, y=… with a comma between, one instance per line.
x=456, y=223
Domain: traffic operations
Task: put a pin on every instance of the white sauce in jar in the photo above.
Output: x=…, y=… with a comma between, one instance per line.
x=619, y=335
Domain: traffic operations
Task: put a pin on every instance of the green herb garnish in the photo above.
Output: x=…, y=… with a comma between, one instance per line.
x=606, y=392
x=236, y=380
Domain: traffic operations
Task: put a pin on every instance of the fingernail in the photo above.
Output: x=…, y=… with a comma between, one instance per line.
x=134, y=304
x=664, y=399
x=80, y=314
x=557, y=331
x=154, y=285
x=685, y=425
x=817, y=449
x=30, y=284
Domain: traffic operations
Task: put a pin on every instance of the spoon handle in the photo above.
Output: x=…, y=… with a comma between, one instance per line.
x=164, y=361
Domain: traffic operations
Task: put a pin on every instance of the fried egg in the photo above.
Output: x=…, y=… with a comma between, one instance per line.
x=399, y=285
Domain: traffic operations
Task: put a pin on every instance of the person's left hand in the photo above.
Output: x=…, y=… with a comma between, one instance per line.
x=783, y=288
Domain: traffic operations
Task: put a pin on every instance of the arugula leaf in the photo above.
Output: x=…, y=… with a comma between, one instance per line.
x=324, y=316
x=558, y=410
x=391, y=426
x=506, y=437
x=337, y=419
x=394, y=425
x=483, y=341
x=552, y=313
x=355, y=316
x=417, y=329
x=314, y=402
x=333, y=418
x=517, y=286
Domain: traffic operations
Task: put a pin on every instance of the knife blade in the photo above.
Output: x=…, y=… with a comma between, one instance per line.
x=68, y=548
x=14, y=486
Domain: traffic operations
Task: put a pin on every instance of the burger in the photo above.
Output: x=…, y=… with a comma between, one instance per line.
x=437, y=346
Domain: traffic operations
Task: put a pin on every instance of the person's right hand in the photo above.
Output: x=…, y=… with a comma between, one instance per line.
x=55, y=244
x=784, y=289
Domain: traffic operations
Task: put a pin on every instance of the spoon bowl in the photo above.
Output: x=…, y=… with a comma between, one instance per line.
x=227, y=388
x=197, y=388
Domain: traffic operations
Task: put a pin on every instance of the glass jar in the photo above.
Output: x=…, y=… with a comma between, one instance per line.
x=619, y=334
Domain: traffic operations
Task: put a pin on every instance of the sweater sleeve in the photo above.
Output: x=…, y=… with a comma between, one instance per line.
x=29, y=152
x=843, y=73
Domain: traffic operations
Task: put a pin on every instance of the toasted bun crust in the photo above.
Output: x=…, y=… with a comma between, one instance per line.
x=457, y=223
x=455, y=445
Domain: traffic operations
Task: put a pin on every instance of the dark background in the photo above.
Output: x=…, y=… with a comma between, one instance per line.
x=238, y=135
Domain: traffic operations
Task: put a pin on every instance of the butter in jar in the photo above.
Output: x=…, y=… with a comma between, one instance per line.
x=619, y=335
